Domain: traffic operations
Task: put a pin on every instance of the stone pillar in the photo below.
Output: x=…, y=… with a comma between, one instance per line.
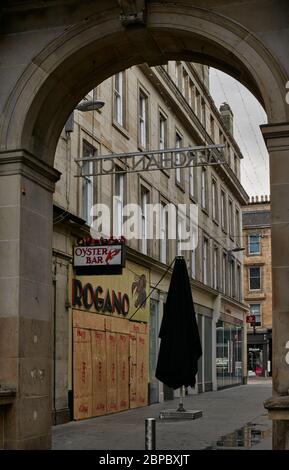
x=26, y=190
x=277, y=140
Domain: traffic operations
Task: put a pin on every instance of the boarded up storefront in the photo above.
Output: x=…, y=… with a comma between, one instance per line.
x=110, y=352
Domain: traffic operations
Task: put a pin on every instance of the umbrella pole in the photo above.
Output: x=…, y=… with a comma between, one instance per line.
x=181, y=402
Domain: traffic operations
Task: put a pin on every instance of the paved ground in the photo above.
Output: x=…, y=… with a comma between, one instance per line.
x=226, y=415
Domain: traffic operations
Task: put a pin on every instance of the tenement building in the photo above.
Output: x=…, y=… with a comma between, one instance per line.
x=258, y=284
x=106, y=321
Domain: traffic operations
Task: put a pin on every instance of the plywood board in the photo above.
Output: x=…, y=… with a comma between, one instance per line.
x=90, y=321
x=99, y=372
x=135, y=327
x=132, y=370
x=122, y=372
x=82, y=374
x=111, y=361
x=142, y=370
x=117, y=325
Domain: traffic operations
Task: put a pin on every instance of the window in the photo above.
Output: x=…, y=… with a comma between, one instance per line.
x=144, y=220
x=215, y=268
x=164, y=234
x=119, y=98
x=178, y=158
x=192, y=96
x=119, y=202
x=224, y=273
x=239, y=284
x=236, y=165
x=205, y=260
x=255, y=278
x=212, y=128
x=204, y=188
x=214, y=199
x=231, y=220
x=203, y=118
x=192, y=181
x=179, y=76
x=237, y=226
x=193, y=263
x=181, y=232
x=232, y=278
x=143, y=120
x=255, y=309
x=254, y=244
x=198, y=104
x=87, y=185
x=186, y=85
x=221, y=137
x=223, y=210
x=162, y=134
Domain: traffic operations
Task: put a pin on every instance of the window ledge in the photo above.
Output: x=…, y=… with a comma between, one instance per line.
x=180, y=186
x=205, y=210
x=193, y=199
x=121, y=129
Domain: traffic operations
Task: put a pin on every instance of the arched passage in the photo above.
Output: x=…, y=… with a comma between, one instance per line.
x=89, y=52
x=70, y=61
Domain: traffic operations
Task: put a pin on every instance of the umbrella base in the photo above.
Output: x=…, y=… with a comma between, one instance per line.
x=175, y=414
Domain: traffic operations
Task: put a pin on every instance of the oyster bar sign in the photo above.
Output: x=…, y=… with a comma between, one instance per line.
x=104, y=255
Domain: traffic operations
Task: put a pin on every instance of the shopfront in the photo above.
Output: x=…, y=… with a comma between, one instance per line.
x=110, y=341
x=229, y=351
x=205, y=365
x=259, y=354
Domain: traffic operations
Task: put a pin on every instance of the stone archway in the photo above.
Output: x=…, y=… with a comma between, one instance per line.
x=60, y=62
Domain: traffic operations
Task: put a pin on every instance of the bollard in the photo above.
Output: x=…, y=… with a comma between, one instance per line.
x=150, y=434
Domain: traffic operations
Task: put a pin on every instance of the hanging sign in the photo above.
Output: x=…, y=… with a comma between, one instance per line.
x=105, y=255
x=251, y=319
x=152, y=160
x=99, y=256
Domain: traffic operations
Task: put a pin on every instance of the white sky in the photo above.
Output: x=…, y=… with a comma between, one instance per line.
x=248, y=115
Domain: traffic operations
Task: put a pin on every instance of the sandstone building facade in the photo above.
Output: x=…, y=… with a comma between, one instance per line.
x=258, y=283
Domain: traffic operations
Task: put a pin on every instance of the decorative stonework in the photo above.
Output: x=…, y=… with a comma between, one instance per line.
x=133, y=12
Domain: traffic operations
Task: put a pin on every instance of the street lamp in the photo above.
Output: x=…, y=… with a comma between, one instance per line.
x=85, y=105
x=90, y=105
x=234, y=250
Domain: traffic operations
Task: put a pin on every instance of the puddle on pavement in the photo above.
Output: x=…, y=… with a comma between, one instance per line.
x=245, y=437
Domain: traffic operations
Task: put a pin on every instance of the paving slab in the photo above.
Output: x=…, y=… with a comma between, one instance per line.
x=226, y=414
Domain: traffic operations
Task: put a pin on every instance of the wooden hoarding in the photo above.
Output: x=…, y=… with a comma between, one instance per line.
x=99, y=372
x=142, y=370
x=122, y=372
x=132, y=370
x=110, y=364
x=82, y=374
x=111, y=360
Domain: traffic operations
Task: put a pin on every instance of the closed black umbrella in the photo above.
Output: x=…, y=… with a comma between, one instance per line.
x=180, y=346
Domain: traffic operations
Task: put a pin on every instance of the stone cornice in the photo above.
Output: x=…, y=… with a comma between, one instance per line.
x=21, y=162
x=275, y=131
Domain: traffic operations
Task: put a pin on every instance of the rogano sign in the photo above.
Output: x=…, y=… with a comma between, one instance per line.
x=103, y=300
